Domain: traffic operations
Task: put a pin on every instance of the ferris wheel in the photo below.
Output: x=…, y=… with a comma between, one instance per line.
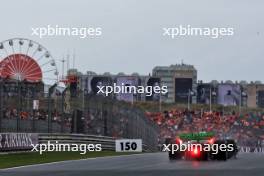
x=26, y=60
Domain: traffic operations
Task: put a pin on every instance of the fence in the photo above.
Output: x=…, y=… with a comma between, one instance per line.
x=23, y=141
x=118, y=119
x=32, y=126
x=108, y=143
x=100, y=116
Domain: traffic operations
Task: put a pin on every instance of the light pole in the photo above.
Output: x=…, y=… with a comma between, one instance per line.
x=19, y=105
x=190, y=94
x=50, y=91
x=160, y=102
x=242, y=96
x=62, y=109
x=83, y=100
x=134, y=98
x=1, y=105
x=188, y=105
x=210, y=99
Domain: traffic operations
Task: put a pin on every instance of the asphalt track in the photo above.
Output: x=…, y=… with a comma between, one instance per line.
x=151, y=164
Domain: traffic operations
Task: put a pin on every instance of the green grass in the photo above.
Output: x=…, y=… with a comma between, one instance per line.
x=29, y=158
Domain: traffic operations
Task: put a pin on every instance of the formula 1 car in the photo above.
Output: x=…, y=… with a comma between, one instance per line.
x=201, y=146
x=177, y=154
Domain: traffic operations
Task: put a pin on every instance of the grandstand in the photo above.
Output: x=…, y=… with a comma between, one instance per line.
x=183, y=85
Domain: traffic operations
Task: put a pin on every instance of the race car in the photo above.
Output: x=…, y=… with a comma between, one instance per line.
x=202, y=146
x=224, y=155
x=177, y=154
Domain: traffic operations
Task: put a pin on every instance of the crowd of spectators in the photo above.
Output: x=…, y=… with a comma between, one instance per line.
x=99, y=122
x=11, y=113
x=95, y=120
x=247, y=129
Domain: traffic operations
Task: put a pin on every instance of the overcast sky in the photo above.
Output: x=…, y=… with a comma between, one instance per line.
x=132, y=38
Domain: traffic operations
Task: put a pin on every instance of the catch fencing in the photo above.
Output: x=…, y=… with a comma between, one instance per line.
x=101, y=116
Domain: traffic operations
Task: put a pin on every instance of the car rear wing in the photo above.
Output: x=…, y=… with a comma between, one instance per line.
x=196, y=136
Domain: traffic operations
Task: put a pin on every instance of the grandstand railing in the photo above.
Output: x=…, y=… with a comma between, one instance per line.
x=107, y=143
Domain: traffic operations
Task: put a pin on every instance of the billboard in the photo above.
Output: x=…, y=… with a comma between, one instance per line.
x=152, y=81
x=98, y=81
x=73, y=89
x=182, y=88
x=229, y=94
x=126, y=81
x=35, y=104
x=10, y=88
x=203, y=93
x=17, y=141
x=260, y=94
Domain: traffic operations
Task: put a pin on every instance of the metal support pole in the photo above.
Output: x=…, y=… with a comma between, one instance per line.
x=188, y=100
x=83, y=99
x=104, y=113
x=49, y=112
x=33, y=112
x=240, y=101
x=210, y=99
x=1, y=104
x=51, y=89
x=62, y=110
x=19, y=106
x=160, y=102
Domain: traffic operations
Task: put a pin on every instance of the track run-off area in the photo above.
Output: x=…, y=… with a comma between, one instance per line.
x=246, y=164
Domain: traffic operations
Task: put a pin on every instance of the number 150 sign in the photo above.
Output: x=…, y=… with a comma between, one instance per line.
x=128, y=145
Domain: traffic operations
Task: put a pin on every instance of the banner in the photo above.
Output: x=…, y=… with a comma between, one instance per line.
x=182, y=88
x=99, y=81
x=35, y=104
x=17, y=141
x=153, y=82
x=229, y=94
x=126, y=81
x=203, y=93
x=260, y=96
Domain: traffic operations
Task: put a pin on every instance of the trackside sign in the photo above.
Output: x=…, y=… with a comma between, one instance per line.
x=17, y=141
